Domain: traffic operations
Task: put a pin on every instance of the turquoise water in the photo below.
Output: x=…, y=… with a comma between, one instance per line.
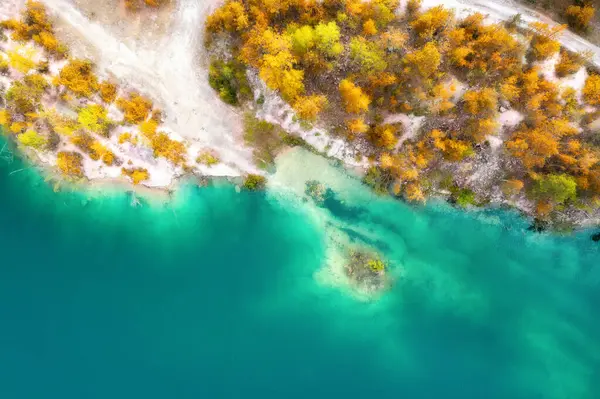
x=220, y=294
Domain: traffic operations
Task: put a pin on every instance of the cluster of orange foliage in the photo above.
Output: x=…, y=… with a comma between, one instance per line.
x=137, y=175
x=94, y=148
x=78, y=86
x=363, y=60
x=70, y=164
x=35, y=26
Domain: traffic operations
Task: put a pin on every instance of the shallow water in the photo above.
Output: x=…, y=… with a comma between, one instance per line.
x=222, y=294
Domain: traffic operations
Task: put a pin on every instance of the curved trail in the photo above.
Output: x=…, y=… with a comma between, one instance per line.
x=506, y=9
x=172, y=74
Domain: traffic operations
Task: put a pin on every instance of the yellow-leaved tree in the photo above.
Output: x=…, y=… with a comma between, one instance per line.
x=354, y=99
x=309, y=107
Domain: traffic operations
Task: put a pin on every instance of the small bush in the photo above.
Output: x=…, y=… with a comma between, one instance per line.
x=207, y=158
x=135, y=108
x=229, y=80
x=255, y=182
x=32, y=139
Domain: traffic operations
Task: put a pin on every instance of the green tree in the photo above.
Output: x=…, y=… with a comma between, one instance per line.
x=558, y=188
x=367, y=55
x=32, y=139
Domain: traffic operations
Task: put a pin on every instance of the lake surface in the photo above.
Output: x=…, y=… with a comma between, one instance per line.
x=220, y=294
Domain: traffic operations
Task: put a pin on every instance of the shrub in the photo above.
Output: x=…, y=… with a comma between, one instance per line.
x=32, y=139
x=208, y=158
x=463, y=197
x=108, y=92
x=172, y=150
x=70, y=163
x=591, y=90
x=355, y=100
x=137, y=175
x=229, y=80
x=135, y=108
x=264, y=137
x=78, y=77
x=255, y=182
x=21, y=59
x=95, y=119
x=568, y=64
x=556, y=188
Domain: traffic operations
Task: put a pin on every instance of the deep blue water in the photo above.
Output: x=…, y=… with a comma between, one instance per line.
x=217, y=295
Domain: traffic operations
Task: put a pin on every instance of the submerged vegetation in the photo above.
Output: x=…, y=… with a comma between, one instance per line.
x=367, y=271
x=494, y=111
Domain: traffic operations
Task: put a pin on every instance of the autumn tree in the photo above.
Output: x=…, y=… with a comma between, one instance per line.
x=367, y=55
x=78, y=77
x=165, y=147
x=135, y=108
x=35, y=25
x=25, y=96
x=568, y=64
x=384, y=136
x=356, y=127
x=232, y=16
x=579, y=17
x=327, y=39
x=533, y=146
x=108, y=92
x=490, y=49
x=70, y=163
x=277, y=66
x=591, y=90
x=556, y=188
x=137, y=175
x=21, y=59
x=95, y=118
x=370, y=28
x=354, y=99
x=309, y=107
x=425, y=61
x=512, y=187
x=454, y=150
x=481, y=102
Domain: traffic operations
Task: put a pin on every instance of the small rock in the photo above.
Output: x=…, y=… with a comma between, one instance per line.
x=596, y=237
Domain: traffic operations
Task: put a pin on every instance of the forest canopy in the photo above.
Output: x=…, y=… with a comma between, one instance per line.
x=356, y=64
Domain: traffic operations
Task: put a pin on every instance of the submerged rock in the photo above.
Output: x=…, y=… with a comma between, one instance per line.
x=596, y=237
x=368, y=271
x=317, y=191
